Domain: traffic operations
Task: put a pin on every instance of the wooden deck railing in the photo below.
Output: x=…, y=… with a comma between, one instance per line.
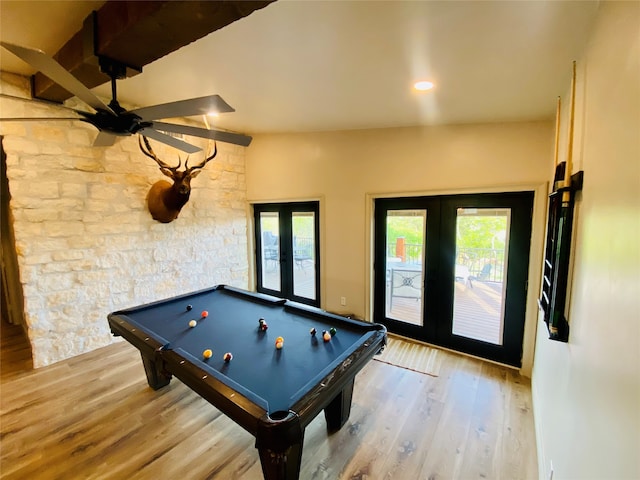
x=483, y=263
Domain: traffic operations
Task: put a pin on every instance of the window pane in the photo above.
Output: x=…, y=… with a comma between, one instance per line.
x=304, y=253
x=480, y=273
x=404, y=262
x=270, y=254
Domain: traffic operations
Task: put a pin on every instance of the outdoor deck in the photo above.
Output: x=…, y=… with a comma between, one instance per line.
x=477, y=305
x=477, y=311
x=303, y=278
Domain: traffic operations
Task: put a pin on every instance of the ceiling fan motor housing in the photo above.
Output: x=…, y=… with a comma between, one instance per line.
x=123, y=124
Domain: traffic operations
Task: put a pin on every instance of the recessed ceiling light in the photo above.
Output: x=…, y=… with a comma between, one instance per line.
x=213, y=114
x=423, y=85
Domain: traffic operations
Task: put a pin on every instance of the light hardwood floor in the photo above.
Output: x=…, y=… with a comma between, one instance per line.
x=93, y=417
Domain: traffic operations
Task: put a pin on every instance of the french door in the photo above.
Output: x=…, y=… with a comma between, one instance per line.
x=451, y=270
x=287, y=250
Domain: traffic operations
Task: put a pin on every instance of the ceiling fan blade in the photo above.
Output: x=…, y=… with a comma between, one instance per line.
x=169, y=140
x=104, y=139
x=36, y=119
x=185, y=108
x=52, y=69
x=229, y=137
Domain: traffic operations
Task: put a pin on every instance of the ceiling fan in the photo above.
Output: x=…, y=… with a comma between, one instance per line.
x=112, y=120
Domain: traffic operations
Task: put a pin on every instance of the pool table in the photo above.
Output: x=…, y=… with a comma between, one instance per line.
x=273, y=393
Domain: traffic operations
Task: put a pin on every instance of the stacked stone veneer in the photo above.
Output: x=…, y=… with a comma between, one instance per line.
x=85, y=240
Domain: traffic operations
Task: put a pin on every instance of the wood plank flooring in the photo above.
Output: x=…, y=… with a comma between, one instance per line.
x=15, y=351
x=94, y=417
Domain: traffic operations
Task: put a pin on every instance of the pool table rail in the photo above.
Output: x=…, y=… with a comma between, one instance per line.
x=244, y=408
x=338, y=383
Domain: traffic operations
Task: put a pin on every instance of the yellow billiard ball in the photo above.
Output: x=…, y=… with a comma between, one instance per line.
x=207, y=353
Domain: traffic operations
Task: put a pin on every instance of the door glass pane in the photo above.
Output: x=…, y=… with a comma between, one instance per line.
x=405, y=236
x=270, y=254
x=304, y=254
x=480, y=273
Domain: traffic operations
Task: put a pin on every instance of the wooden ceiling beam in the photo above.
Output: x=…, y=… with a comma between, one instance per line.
x=135, y=34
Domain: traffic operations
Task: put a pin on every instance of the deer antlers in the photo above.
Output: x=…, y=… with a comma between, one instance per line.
x=151, y=154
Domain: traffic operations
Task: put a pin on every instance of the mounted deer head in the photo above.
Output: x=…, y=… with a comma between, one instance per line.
x=165, y=200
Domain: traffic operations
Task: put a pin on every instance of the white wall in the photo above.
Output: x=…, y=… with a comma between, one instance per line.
x=587, y=392
x=85, y=241
x=346, y=169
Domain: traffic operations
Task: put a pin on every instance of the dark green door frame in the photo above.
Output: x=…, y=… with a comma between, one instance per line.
x=286, y=249
x=439, y=259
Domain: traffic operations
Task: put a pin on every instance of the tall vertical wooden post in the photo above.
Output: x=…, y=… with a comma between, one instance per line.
x=400, y=249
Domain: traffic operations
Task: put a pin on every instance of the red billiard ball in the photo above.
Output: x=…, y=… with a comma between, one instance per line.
x=205, y=314
x=227, y=357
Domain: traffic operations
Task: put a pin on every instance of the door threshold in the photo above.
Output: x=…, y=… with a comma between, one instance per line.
x=450, y=350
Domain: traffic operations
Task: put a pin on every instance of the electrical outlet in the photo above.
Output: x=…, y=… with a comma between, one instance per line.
x=343, y=301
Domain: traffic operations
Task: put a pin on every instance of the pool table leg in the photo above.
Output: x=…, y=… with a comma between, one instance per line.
x=279, y=441
x=281, y=465
x=337, y=412
x=157, y=376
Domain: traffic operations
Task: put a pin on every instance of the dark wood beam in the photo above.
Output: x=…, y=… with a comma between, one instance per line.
x=137, y=33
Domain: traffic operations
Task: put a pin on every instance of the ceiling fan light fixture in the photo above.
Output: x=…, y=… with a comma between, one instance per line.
x=423, y=85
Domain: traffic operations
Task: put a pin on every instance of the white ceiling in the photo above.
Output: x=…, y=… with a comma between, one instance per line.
x=334, y=65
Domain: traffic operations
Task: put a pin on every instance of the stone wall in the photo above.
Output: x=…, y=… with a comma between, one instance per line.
x=85, y=241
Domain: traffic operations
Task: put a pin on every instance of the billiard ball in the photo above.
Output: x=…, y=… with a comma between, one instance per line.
x=261, y=321
x=279, y=339
x=326, y=336
x=263, y=326
x=313, y=332
x=193, y=323
x=205, y=314
x=227, y=357
x=279, y=345
x=332, y=331
x=189, y=307
x=207, y=353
